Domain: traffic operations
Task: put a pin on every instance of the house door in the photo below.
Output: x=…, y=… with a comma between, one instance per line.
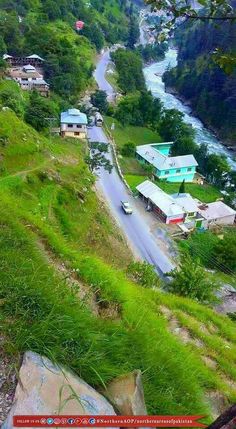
x=198, y=223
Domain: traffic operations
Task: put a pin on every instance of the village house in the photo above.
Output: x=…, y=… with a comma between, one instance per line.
x=217, y=213
x=74, y=124
x=188, y=204
x=183, y=209
x=161, y=203
x=29, y=78
x=33, y=60
x=165, y=167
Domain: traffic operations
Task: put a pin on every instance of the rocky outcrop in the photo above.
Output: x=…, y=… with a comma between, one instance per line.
x=46, y=388
x=126, y=394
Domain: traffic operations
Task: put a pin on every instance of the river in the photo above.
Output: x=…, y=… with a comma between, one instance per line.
x=156, y=85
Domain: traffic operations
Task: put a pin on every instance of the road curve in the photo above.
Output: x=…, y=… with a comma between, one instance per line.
x=99, y=75
x=135, y=227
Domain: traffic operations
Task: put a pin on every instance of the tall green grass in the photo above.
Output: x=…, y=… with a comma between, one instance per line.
x=52, y=210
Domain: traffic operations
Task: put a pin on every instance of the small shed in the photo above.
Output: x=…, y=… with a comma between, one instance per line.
x=217, y=213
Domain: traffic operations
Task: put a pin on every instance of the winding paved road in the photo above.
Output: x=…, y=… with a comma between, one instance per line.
x=135, y=227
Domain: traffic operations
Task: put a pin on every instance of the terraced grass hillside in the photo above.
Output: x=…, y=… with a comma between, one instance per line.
x=64, y=292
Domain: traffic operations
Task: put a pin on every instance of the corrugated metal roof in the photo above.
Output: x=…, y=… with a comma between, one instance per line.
x=35, y=57
x=162, y=162
x=216, y=210
x=158, y=197
x=186, y=202
x=74, y=116
x=29, y=67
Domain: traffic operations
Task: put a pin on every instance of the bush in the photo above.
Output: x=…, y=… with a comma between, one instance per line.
x=144, y=274
x=190, y=280
x=128, y=149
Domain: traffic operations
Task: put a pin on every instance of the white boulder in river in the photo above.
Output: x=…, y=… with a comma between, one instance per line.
x=46, y=388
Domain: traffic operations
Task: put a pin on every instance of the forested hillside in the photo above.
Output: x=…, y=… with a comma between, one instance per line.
x=211, y=90
x=47, y=28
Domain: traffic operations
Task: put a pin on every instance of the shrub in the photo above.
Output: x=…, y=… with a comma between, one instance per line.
x=144, y=274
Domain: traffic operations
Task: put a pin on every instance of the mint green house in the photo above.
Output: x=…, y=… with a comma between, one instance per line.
x=170, y=168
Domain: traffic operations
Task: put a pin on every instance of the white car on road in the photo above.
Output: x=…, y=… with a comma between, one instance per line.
x=126, y=207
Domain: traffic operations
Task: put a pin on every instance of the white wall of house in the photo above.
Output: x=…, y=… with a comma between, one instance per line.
x=226, y=220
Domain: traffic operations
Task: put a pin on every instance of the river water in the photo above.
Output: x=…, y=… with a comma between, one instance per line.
x=153, y=76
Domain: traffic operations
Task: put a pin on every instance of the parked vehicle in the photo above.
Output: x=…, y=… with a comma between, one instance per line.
x=126, y=207
x=98, y=119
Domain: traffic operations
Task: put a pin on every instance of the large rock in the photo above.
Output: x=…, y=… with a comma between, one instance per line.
x=45, y=389
x=126, y=394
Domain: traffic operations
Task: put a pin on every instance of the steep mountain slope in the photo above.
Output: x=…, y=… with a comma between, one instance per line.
x=64, y=293
x=64, y=290
x=210, y=89
x=48, y=29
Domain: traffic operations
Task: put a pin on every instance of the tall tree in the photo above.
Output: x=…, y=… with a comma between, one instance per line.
x=97, y=157
x=182, y=187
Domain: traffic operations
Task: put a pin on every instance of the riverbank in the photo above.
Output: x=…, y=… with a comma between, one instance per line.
x=230, y=145
x=172, y=100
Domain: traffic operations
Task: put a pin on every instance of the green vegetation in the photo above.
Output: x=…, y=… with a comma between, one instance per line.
x=191, y=280
x=205, y=193
x=51, y=218
x=201, y=80
x=136, y=135
x=143, y=274
x=154, y=52
x=215, y=250
x=99, y=100
x=48, y=29
x=129, y=67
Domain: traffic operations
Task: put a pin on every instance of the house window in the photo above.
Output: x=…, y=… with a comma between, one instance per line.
x=190, y=169
x=167, y=172
x=70, y=125
x=191, y=214
x=178, y=171
x=77, y=134
x=78, y=126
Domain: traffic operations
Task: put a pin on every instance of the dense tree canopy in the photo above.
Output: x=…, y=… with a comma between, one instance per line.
x=211, y=90
x=130, y=73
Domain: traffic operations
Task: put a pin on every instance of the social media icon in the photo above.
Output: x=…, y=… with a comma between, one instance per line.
x=50, y=421
x=77, y=421
x=92, y=421
x=85, y=421
x=43, y=421
x=57, y=421
x=71, y=421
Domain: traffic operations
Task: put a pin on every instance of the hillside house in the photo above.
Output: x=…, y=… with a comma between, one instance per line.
x=74, y=124
x=33, y=60
x=188, y=204
x=29, y=78
x=217, y=213
x=183, y=209
x=161, y=203
x=169, y=168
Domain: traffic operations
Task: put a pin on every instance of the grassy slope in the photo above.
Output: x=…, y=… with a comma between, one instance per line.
x=137, y=135
x=47, y=205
